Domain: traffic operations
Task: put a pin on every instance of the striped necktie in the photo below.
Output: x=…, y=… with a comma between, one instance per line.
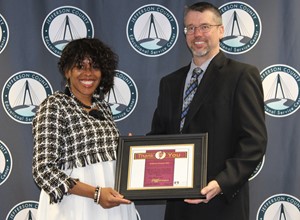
x=189, y=94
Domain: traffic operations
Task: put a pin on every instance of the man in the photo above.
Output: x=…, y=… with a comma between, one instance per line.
x=228, y=105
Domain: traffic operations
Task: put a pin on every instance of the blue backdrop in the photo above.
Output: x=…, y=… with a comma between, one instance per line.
x=148, y=37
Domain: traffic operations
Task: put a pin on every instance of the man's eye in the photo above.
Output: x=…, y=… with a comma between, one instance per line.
x=205, y=27
x=191, y=28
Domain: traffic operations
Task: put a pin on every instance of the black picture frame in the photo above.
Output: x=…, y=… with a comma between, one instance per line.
x=198, y=144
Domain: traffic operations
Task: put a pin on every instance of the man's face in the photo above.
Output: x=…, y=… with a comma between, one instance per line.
x=203, y=44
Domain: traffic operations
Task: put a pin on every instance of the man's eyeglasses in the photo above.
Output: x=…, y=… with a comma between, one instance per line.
x=204, y=28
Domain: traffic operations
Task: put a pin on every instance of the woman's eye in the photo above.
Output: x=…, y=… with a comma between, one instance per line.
x=79, y=66
x=96, y=66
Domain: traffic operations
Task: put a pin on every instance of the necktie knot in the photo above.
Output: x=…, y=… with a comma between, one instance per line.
x=196, y=72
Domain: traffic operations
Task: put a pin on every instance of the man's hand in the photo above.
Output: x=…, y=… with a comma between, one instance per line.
x=210, y=191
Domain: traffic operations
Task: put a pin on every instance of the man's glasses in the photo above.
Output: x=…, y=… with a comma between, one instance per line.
x=204, y=28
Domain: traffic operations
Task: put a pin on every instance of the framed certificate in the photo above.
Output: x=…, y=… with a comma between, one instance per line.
x=162, y=166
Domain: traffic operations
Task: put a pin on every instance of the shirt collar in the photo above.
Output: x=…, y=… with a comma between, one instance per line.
x=203, y=66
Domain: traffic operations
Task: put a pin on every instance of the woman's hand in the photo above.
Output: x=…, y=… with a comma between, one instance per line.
x=110, y=198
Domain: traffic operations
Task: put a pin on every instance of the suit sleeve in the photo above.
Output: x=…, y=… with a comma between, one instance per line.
x=158, y=125
x=249, y=134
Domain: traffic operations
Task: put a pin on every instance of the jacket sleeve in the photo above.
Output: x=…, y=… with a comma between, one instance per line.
x=249, y=134
x=48, y=139
x=159, y=124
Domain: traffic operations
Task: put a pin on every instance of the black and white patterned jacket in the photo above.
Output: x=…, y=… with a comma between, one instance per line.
x=65, y=137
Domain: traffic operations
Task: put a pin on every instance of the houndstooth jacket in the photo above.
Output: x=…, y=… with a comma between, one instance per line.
x=65, y=137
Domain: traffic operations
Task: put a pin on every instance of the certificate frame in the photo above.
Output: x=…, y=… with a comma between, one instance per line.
x=185, y=163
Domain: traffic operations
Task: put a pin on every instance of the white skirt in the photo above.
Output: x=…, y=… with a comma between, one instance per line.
x=73, y=207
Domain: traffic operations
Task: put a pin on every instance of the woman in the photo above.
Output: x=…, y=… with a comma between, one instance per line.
x=75, y=140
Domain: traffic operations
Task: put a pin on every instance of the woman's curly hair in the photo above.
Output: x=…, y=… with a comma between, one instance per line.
x=100, y=54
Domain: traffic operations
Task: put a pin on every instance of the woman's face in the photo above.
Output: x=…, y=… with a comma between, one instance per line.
x=84, y=79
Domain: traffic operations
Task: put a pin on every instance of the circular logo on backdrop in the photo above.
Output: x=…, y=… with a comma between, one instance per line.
x=123, y=97
x=23, y=210
x=242, y=27
x=152, y=30
x=5, y=163
x=4, y=33
x=137, y=214
x=280, y=206
x=281, y=84
x=63, y=25
x=23, y=93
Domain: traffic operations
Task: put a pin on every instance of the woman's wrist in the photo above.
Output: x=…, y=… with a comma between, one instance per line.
x=97, y=194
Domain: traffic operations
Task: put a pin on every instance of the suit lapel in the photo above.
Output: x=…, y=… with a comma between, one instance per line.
x=206, y=86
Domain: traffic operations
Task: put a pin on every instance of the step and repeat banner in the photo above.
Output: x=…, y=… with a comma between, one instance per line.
x=148, y=37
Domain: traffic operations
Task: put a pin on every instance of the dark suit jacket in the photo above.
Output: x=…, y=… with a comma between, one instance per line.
x=229, y=106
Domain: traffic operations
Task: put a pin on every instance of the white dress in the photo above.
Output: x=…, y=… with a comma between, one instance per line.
x=73, y=207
